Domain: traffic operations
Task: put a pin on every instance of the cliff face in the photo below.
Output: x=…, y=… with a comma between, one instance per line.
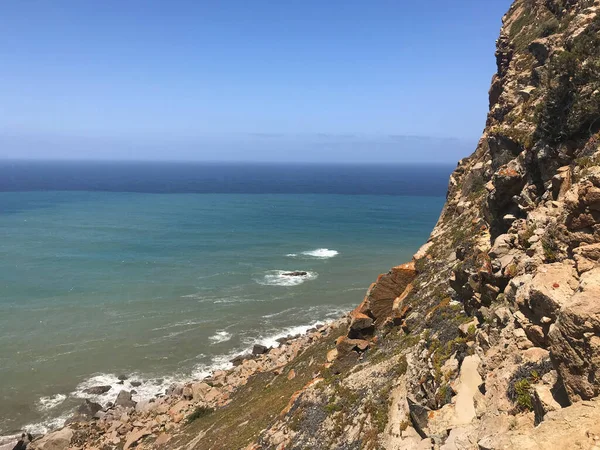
x=490, y=337
x=494, y=328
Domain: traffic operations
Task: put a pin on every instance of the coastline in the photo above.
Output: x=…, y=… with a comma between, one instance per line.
x=209, y=389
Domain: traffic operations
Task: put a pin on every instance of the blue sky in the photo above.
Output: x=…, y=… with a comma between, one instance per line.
x=245, y=80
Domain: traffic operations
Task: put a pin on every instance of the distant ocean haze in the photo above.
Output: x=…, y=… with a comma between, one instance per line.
x=164, y=271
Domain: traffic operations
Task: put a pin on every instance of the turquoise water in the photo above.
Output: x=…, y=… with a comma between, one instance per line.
x=163, y=287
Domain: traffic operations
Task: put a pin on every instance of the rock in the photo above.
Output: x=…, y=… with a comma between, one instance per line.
x=561, y=182
x=332, y=355
x=361, y=325
x=135, y=436
x=345, y=345
x=587, y=257
x=576, y=426
x=543, y=402
x=162, y=439
x=124, y=400
x=135, y=383
x=380, y=297
x=503, y=316
x=199, y=391
x=540, y=50
x=466, y=390
x=466, y=328
x=97, y=390
x=551, y=287
x=122, y=377
x=85, y=411
x=419, y=416
x=188, y=393
x=259, y=349
x=238, y=360
x=294, y=274
x=57, y=440
x=575, y=341
x=291, y=374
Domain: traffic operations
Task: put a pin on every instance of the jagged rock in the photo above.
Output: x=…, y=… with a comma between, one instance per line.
x=124, y=400
x=419, y=416
x=381, y=295
x=345, y=345
x=543, y=402
x=361, y=325
x=85, y=411
x=259, y=349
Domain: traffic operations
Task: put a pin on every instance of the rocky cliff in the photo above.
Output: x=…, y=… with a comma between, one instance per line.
x=488, y=339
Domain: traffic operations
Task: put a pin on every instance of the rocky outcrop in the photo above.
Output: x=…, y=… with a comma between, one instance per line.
x=379, y=300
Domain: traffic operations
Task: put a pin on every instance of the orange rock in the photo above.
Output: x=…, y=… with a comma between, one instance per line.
x=379, y=301
x=345, y=345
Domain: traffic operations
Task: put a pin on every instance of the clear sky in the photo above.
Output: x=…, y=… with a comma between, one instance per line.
x=246, y=80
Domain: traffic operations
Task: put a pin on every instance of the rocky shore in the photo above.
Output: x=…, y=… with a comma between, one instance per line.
x=124, y=423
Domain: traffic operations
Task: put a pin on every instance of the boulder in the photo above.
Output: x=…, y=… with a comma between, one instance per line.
x=543, y=402
x=124, y=400
x=85, y=411
x=97, y=390
x=259, y=349
x=361, y=325
x=345, y=345
x=57, y=440
x=550, y=288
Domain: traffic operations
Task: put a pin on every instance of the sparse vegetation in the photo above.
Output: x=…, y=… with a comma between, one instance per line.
x=571, y=105
x=199, y=412
x=519, y=387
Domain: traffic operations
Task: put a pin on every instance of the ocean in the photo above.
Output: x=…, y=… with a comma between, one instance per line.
x=165, y=271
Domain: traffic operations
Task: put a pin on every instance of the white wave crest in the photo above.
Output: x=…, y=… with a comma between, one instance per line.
x=319, y=253
x=149, y=387
x=51, y=401
x=280, y=278
x=46, y=426
x=220, y=336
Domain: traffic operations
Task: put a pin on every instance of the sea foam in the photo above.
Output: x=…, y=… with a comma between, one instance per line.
x=279, y=278
x=220, y=336
x=319, y=253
